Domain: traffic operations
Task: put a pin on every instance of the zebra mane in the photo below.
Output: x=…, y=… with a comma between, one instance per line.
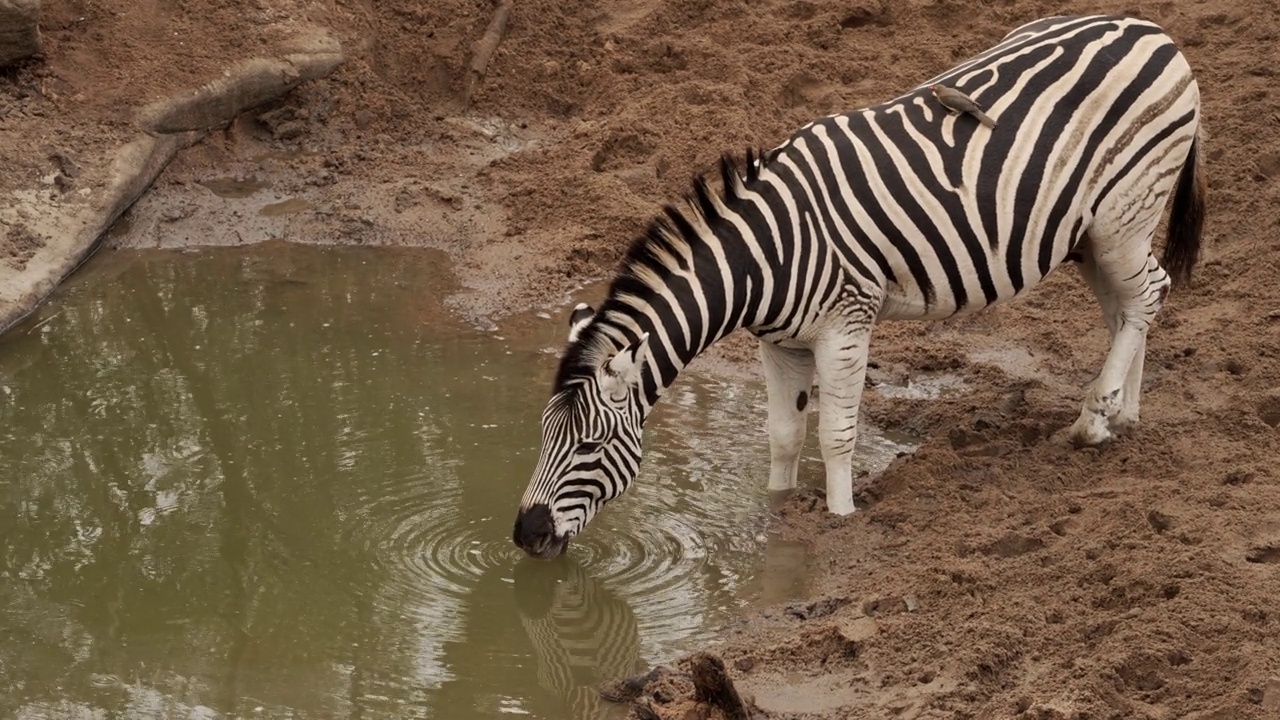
x=646, y=260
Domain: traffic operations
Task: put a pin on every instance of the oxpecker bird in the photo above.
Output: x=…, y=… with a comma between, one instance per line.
x=957, y=102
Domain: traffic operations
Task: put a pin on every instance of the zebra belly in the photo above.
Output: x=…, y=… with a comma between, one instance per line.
x=908, y=302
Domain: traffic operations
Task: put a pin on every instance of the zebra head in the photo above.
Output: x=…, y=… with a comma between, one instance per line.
x=590, y=445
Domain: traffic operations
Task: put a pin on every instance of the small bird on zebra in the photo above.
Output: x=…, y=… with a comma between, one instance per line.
x=959, y=103
x=884, y=214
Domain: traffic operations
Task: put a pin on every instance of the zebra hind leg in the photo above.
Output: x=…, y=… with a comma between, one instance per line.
x=788, y=377
x=1127, y=416
x=1130, y=298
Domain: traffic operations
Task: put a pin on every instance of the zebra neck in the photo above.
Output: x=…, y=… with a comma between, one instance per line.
x=695, y=276
x=684, y=315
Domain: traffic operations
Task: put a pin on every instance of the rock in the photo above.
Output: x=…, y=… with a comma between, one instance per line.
x=19, y=30
x=66, y=164
x=289, y=130
x=645, y=711
x=322, y=178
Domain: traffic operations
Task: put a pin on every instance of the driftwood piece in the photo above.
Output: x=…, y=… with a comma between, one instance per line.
x=19, y=30
x=712, y=685
x=482, y=50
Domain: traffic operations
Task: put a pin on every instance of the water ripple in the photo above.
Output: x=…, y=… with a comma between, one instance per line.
x=429, y=552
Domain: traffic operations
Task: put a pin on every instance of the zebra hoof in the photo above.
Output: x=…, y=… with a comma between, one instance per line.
x=1089, y=434
x=1124, y=426
x=841, y=508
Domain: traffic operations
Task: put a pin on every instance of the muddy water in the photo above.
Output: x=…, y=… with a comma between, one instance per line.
x=280, y=482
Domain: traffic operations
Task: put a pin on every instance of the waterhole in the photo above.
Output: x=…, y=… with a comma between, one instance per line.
x=281, y=481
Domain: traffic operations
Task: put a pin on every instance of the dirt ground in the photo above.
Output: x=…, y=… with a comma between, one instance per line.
x=996, y=573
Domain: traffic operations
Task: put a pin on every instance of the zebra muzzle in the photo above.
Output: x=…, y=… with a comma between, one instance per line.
x=535, y=533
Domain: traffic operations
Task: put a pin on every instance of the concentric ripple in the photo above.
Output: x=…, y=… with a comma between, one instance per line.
x=683, y=549
x=429, y=554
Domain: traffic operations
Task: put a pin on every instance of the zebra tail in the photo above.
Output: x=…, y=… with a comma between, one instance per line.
x=1186, y=219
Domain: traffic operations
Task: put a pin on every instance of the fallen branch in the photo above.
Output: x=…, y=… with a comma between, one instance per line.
x=483, y=49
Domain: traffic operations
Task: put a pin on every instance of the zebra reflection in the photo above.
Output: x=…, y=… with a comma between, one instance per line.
x=582, y=634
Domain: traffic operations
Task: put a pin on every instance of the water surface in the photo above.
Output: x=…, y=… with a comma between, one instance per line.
x=280, y=482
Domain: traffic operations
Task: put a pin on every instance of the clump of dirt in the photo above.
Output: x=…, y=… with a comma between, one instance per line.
x=20, y=245
x=1137, y=581
x=698, y=688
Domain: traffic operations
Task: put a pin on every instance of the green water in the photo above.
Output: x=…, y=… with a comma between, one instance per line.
x=280, y=482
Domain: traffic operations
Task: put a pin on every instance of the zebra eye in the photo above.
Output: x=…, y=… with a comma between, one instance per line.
x=588, y=447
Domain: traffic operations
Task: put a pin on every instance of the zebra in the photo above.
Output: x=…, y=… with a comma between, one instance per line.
x=896, y=211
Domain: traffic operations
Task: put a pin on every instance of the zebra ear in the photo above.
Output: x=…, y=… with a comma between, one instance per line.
x=622, y=372
x=578, y=319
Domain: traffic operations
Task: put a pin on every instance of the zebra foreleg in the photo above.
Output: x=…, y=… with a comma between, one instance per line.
x=842, y=370
x=788, y=375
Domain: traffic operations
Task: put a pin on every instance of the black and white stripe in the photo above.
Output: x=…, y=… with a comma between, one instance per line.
x=897, y=211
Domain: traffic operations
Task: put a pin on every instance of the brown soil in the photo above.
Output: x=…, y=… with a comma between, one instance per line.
x=997, y=573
